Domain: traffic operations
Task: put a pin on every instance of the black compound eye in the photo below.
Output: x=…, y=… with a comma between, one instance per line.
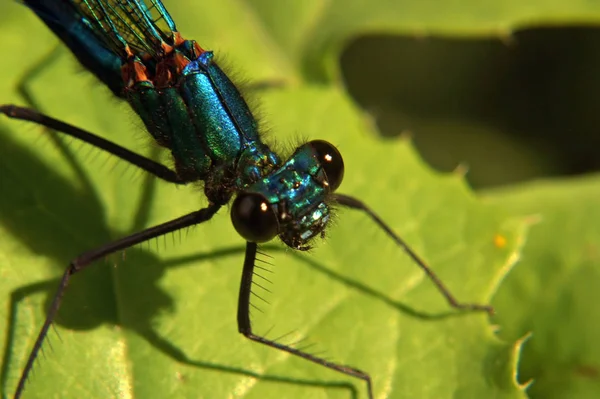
x=253, y=217
x=331, y=161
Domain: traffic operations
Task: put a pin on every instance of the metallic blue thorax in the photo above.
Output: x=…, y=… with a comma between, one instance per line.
x=189, y=106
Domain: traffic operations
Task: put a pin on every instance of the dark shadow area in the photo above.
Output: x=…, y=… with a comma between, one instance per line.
x=56, y=219
x=313, y=264
x=529, y=100
x=90, y=300
x=47, y=214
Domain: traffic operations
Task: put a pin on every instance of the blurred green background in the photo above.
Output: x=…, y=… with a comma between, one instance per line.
x=521, y=112
x=507, y=88
x=511, y=108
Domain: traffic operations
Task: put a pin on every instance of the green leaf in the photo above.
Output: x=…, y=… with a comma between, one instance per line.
x=308, y=36
x=159, y=321
x=554, y=292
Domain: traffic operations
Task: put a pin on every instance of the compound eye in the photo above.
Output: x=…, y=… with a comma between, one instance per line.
x=253, y=217
x=331, y=161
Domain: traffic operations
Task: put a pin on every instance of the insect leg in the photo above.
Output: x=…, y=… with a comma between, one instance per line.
x=87, y=258
x=245, y=327
x=147, y=164
x=353, y=203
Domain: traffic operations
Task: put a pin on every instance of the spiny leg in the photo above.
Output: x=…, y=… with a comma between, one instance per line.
x=87, y=258
x=353, y=203
x=245, y=327
x=31, y=113
x=147, y=164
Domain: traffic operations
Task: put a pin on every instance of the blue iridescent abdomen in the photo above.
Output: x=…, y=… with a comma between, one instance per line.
x=190, y=106
x=185, y=100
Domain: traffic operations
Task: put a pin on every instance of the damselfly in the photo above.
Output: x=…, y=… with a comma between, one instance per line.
x=191, y=107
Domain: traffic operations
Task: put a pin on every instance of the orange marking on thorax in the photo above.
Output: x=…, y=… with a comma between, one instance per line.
x=178, y=40
x=134, y=71
x=167, y=48
x=171, y=67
